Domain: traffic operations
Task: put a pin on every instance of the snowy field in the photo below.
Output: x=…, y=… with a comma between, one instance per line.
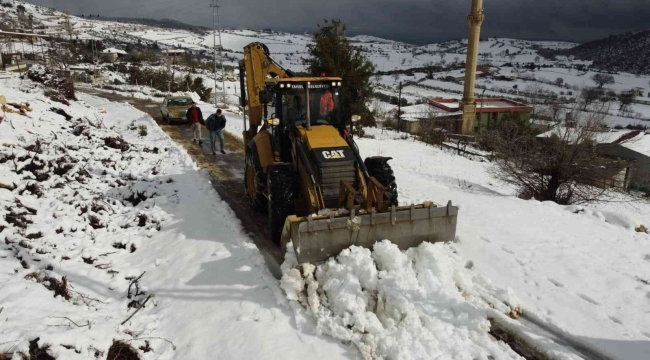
x=584, y=269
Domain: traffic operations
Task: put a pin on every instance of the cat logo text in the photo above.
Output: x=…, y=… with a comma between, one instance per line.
x=333, y=154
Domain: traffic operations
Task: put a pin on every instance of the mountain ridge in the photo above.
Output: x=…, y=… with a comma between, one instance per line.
x=628, y=52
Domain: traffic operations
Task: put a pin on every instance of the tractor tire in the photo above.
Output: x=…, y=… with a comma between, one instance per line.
x=282, y=190
x=255, y=184
x=379, y=168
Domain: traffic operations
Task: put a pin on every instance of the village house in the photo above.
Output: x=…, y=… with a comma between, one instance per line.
x=489, y=112
x=112, y=54
x=630, y=147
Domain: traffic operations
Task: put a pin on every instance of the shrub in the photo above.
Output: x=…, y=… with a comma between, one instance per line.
x=55, y=95
x=40, y=74
x=121, y=350
x=142, y=130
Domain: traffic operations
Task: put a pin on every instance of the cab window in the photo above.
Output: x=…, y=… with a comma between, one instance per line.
x=324, y=105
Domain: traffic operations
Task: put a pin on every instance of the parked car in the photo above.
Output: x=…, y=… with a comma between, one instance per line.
x=174, y=108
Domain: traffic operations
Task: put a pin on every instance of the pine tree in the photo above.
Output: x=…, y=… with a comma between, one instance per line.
x=332, y=54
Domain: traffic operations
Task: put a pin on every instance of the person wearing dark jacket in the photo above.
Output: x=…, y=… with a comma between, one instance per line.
x=195, y=118
x=215, y=124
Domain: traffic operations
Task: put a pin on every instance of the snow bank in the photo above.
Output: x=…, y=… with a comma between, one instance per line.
x=417, y=304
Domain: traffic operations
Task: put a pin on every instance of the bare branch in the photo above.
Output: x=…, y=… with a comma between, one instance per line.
x=138, y=309
x=70, y=320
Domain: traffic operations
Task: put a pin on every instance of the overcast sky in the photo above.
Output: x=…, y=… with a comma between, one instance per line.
x=415, y=21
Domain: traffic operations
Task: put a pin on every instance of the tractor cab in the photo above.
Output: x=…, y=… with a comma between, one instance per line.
x=304, y=102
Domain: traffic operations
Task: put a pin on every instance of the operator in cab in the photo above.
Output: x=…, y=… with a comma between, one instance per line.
x=326, y=103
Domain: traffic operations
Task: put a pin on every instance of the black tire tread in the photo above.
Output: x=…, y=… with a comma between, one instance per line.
x=259, y=202
x=281, y=184
x=380, y=169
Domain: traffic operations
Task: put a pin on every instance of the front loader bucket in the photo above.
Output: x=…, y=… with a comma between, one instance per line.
x=317, y=238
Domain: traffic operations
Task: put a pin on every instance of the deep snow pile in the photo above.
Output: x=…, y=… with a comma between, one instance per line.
x=390, y=304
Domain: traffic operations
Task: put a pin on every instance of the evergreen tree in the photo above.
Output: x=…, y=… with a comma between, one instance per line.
x=332, y=54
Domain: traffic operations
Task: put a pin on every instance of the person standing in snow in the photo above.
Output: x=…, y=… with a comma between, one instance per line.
x=216, y=123
x=195, y=118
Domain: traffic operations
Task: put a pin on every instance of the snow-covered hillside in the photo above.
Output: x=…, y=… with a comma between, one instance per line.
x=513, y=68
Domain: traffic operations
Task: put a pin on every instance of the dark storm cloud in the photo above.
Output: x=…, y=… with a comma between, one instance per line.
x=417, y=21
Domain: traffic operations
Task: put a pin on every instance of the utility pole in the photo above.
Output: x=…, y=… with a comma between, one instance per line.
x=93, y=46
x=223, y=74
x=399, y=108
x=214, y=48
x=215, y=13
x=480, y=116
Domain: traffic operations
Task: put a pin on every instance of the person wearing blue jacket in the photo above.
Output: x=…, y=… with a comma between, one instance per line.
x=215, y=124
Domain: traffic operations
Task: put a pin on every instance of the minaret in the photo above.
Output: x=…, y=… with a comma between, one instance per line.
x=475, y=19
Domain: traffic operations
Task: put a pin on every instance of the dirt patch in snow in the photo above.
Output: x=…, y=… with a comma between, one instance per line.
x=37, y=352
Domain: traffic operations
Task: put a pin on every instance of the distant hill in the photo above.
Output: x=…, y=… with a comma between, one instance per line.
x=629, y=52
x=163, y=23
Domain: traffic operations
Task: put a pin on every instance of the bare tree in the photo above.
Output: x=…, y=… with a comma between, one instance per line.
x=381, y=112
x=602, y=79
x=563, y=167
x=538, y=97
x=626, y=99
x=62, y=54
x=590, y=95
x=433, y=128
x=68, y=26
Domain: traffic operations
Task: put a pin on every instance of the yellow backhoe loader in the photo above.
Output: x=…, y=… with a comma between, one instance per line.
x=304, y=169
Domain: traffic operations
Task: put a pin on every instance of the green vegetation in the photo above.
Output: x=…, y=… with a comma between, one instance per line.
x=332, y=54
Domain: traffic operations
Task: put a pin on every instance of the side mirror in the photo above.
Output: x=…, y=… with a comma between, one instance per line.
x=356, y=118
